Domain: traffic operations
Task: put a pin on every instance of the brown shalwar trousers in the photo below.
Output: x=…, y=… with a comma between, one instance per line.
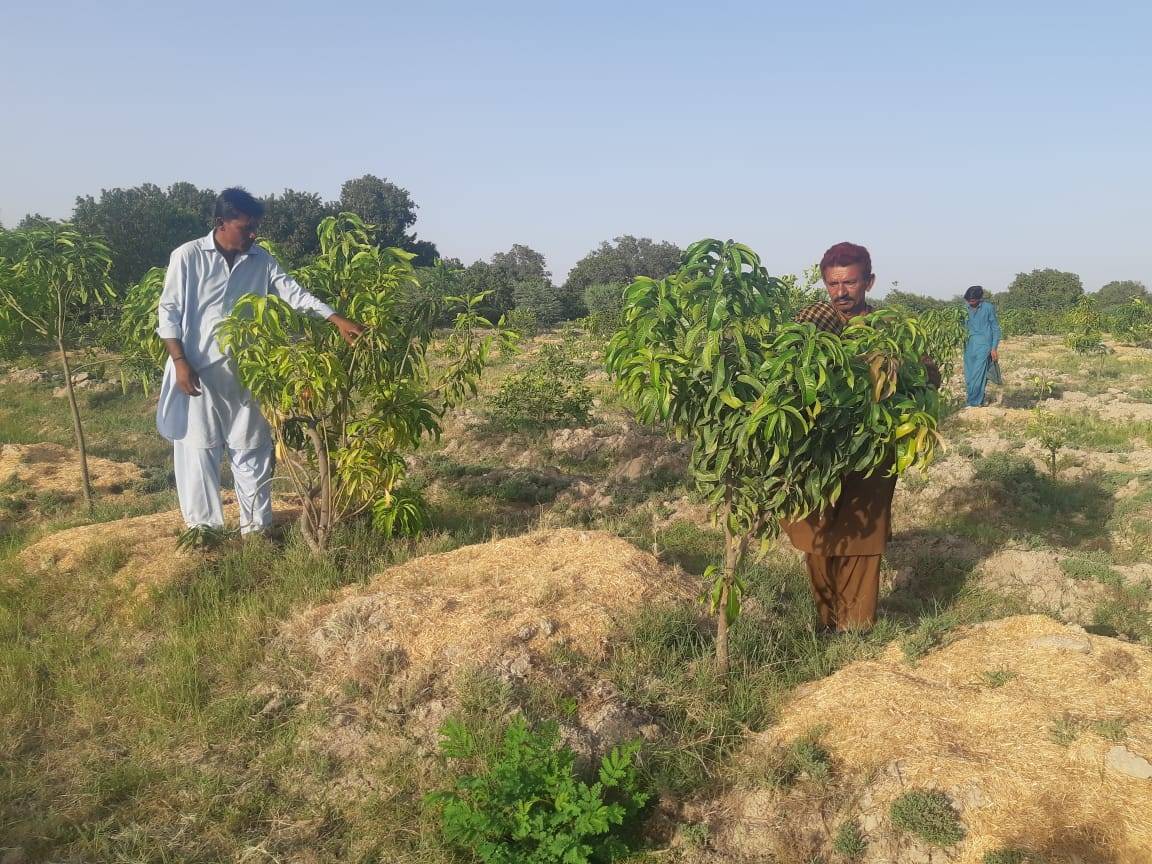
x=846, y=588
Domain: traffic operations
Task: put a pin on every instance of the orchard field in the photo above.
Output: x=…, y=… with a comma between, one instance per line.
x=256, y=702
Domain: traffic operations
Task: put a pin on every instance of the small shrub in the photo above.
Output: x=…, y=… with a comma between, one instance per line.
x=540, y=297
x=525, y=804
x=1010, y=856
x=1113, y=729
x=605, y=303
x=549, y=392
x=997, y=677
x=929, y=634
x=849, y=841
x=1064, y=730
x=522, y=322
x=1050, y=433
x=929, y=815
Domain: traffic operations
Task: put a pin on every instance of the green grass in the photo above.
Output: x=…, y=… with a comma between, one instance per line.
x=849, y=841
x=997, y=677
x=929, y=815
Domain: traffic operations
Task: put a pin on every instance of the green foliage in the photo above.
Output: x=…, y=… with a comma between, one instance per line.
x=344, y=416
x=142, y=351
x=917, y=304
x=946, y=330
x=522, y=322
x=404, y=513
x=549, y=392
x=1029, y=322
x=143, y=224
x=1050, y=433
x=1082, y=327
x=849, y=841
x=620, y=261
x=929, y=815
x=777, y=412
x=1047, y=290
x=539, y=297
x=526, y=805
x=605, y=304
x=802, y=290
x=1122, y=292
x=1011, y=856
x=48, y=275
x=1130, y=322
x=205, y=537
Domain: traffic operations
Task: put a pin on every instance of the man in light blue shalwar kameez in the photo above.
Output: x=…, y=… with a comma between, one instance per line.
x=982, y=348
x=204, y=408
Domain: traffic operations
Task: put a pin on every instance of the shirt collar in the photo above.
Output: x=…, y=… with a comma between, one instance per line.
x=208, y=244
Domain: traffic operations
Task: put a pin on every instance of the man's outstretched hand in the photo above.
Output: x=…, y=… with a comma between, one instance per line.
x=349, y=330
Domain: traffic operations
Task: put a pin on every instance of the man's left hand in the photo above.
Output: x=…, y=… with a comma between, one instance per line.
x=349, y=330
x=995, y=355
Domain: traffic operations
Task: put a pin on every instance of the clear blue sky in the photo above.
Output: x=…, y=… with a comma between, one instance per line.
x=961, y=146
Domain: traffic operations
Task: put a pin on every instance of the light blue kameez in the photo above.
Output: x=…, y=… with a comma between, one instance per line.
x=983, y=338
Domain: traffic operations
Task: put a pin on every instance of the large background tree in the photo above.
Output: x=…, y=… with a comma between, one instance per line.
x=1046, y=290
x=390, y=208
x=619, y=262
x=143, y=224
x=1121, y=292
x=290, y=221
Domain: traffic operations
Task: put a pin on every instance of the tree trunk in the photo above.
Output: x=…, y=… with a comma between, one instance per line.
x=323, y=524
x=77, y=427
x=733, y=555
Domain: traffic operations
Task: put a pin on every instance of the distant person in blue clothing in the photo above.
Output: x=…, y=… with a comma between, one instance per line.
x=981, y=350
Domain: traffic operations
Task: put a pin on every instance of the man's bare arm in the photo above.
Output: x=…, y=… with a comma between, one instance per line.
x=186, y=378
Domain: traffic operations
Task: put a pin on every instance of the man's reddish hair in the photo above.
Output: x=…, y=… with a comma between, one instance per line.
x=845, y=255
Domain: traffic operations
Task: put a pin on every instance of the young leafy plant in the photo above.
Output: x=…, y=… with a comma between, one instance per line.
x=526, y=805
x=343, y=416
x=777, y=412
x=48, y=274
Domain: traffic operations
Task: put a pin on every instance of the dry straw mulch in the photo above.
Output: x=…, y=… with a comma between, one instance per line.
x=52, y=468
x=1028, y=763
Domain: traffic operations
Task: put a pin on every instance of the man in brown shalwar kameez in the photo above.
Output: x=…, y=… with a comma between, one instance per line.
x=843, y=544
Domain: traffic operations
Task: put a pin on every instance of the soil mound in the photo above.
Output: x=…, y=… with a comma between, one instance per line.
x=490, y=604
x=1038, y=733
x=52, y=468
x=141, y=549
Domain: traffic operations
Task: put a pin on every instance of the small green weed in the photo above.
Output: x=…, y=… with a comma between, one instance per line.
x=997, y=677
x=929, y=634
x=1113, y=729
x=526, y=804
x=1010, y=856
x=929, y=815
x=1064, y=730
x=849, y=841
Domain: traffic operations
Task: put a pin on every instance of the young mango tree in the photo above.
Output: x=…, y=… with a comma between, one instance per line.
x=344, y=416
x=48, y=274
x=945, y=331
x=777, y=412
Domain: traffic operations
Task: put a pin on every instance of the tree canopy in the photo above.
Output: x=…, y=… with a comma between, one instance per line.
x=1120, y=292
x=1044, y=290
x=622, y=260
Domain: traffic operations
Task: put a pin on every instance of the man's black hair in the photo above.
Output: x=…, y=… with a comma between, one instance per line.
x=235, y=202
x=974, y=293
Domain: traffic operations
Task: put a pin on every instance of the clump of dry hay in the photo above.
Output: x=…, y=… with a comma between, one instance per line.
x=143, y=548
x=494, y=604
x=52, y=468
x=1017, y=721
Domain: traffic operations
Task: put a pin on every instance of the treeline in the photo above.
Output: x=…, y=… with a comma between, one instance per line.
x=143, y=224
x=1044, y=301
